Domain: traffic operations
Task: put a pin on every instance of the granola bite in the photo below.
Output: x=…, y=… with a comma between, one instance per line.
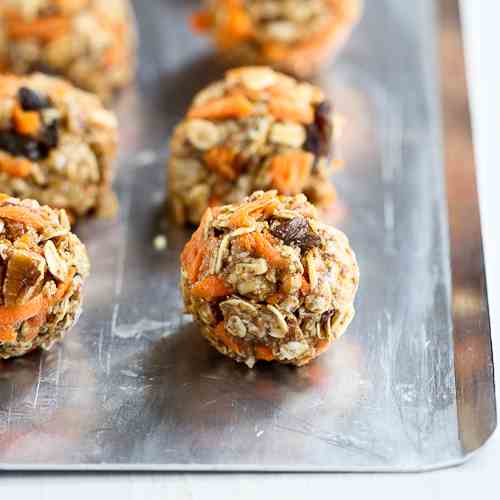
x=295, y=36
x=42, y=269
x=266, y=280
x=255, y=130
x=57, y=145
x=90, y=42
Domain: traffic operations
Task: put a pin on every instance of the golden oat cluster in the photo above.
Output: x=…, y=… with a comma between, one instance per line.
x=267, y=280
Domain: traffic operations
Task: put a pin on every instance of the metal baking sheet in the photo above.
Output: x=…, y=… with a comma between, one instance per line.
x=410, y=387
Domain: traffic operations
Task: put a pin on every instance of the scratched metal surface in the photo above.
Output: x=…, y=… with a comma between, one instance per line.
x=135, y=387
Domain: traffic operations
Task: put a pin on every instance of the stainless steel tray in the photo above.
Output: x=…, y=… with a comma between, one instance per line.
x=410, y=387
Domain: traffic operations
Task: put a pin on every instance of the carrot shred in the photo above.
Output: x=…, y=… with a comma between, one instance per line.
x=247, y=214
x=44, y=28
x=289, y=110
x=322, y=346
x=221, y=159
x=233, y=106
x=290, y=171
x=193, y=253
x=35, y=311
x=275, y=298
x=263, y=353
x=211, y=288
x=8, y=334
x=201, y=21
x=228, y=340
x=10, y=315
x=17, y=167
x=263, y=246
x=22, y=215
x=237, y=25
x=305, y=287
x=26, y=122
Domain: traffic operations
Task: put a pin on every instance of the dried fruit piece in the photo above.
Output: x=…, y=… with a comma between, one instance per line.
x=31, y=100
x=296, y=232
x=320, y=132
x=24, y=275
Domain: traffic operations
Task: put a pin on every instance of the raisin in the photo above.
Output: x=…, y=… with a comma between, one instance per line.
x=49, y=136
x=296, y=232
x=320, y=132
x=31, y=100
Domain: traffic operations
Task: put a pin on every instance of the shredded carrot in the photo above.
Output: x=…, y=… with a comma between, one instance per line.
x=35, y=310
x=263, y=246
x=228, y=340
x=201, y=21
x=322, y=346
x=7, y=334
x=10, y=315
x=290, y=171
x=305, y=287
x=275, y=298
x=193, y=253
x=211, y=288
x=263, y=353
x=17, y=167
x=236, y=25
x=233, y=106
x=289, y=110
x=222, y=160
x=21, y=214
x=26, y=122
x=44, y=28
x=247, y=214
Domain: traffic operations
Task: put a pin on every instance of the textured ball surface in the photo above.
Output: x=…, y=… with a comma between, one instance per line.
x=57, y=145
x=42, y=269
x=266, y=280
x=255, y=130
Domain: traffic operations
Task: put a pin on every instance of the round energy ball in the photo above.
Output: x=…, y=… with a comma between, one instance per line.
x=42, y=268
x=295, y=36
x=57, y=145
x=255, y=130
x=266, y=280
x=90, y=42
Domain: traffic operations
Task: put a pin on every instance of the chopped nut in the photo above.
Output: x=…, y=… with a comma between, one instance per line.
x=236, y=327
x=24, y=276
x=57, y=266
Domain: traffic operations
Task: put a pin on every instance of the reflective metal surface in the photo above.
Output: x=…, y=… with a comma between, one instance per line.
x=410, y=387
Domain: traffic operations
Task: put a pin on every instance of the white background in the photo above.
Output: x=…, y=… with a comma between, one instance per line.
x=480, y=476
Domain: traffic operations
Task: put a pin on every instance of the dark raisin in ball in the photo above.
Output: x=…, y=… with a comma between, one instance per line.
x=31, y=100
x=320, y=132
